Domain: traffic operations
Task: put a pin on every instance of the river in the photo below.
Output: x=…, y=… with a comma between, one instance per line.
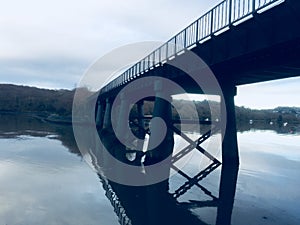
x=44, y=180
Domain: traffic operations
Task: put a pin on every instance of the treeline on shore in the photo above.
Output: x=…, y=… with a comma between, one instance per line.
x=210, y=110
x=23, y=99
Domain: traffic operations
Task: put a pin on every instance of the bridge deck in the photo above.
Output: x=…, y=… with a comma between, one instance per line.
x=241, y=41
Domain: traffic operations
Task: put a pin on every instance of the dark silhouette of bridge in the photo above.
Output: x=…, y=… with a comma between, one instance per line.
x=241, y=42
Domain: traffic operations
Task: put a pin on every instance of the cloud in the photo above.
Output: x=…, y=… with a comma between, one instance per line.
x=38, y=38
x=87, y=28
x=55, y=73
x=52, y=43
x=270, y=94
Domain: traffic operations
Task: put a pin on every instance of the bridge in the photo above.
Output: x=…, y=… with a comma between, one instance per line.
x=237, y=42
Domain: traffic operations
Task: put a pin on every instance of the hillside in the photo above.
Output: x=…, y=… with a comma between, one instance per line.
x=23, y=99
x=15, y=98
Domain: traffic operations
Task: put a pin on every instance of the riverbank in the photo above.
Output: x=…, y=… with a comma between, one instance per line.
x=242, y=126
x=43, y=116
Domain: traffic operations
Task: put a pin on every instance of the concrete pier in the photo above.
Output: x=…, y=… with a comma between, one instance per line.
x=107, y=114
x=230, y=155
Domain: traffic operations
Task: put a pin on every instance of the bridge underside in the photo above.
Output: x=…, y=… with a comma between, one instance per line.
x=263, y=48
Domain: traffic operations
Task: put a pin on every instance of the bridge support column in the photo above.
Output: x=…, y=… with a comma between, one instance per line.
x=106, y=137
x=123, y=120
x=107, y=115
x=230, y=155
x=99, y=121
x=99, y=116
x=160, y=147
x=226, y=194
x=162, y=109
x=141, y=129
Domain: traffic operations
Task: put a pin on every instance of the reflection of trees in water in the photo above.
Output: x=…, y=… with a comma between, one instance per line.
x=14, y=125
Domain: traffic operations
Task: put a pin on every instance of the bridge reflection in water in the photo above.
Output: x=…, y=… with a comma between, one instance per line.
x=155, y=204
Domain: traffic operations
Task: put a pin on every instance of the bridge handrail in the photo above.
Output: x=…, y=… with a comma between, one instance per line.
x=219, y=19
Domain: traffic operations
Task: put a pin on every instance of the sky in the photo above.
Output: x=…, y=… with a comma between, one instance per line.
x=51, y=44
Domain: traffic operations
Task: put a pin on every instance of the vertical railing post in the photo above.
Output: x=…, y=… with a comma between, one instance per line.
x=219, y=17
x=175, y=45
x=159, y=55
x=185, y=37
x=253, y=6
x=212, y=22
x=146, y=63
x=229, y=13
x=167, y=49
x=152, y=59
x=197, y=30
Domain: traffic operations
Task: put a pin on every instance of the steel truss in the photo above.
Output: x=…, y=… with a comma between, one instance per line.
x=194, y=181
x=191, y=181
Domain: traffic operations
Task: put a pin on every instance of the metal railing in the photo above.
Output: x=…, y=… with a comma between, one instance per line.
x=219, y=19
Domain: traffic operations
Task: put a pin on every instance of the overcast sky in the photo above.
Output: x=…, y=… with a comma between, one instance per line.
x=52, y=43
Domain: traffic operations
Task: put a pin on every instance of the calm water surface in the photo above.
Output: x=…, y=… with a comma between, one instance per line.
x=43, y=179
